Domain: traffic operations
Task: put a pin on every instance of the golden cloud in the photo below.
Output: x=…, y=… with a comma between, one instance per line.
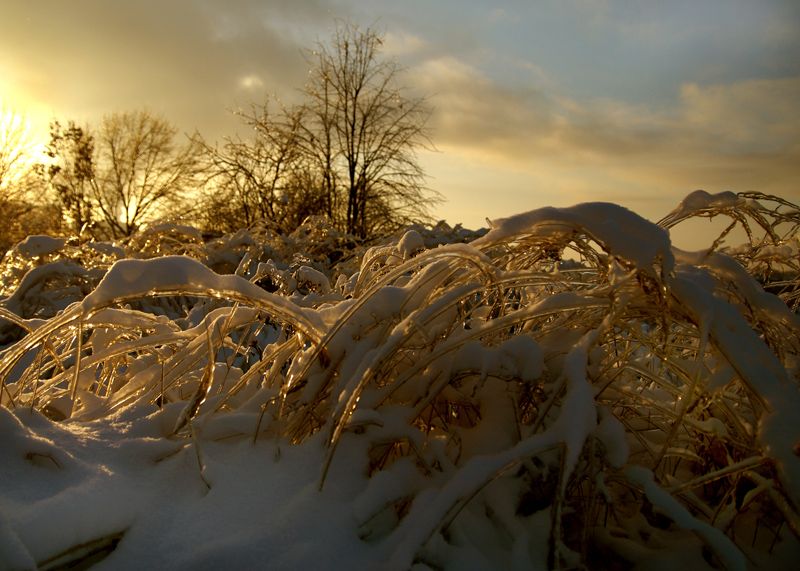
x=740, y=134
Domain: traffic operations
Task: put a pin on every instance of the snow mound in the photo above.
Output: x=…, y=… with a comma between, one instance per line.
x=455, y=401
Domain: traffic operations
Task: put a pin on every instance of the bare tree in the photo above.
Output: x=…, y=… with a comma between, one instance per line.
x=140, y=172
x=347, y=151
x=16, y=148
x=258, y=178
x=129, y=171
x=70, y=174
x=22, y=202
x=364, y=132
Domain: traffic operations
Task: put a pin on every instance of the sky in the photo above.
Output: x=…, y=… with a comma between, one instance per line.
x=535, y=102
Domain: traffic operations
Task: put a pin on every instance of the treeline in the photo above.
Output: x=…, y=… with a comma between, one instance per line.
x=346, y=151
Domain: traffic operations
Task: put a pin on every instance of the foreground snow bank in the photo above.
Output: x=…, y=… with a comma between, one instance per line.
x=565, y=390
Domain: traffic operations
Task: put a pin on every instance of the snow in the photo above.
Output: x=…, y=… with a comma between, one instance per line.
x=611, y=433
x=757, y=366
x=455, y=402
x=38, y=246
x=313, y=279
x=621, y=232
x=700, y=200
x=151, y=488
x=731, y=557
x=410, y=244
x=35, y=280
x=178, y=274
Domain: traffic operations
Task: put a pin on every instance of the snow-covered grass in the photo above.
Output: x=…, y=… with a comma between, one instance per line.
x=564, y=390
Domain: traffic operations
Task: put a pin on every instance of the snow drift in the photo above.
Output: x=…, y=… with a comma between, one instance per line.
x=565, y=389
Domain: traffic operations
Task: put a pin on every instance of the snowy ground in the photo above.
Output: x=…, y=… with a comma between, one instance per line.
x=67, y=488
x=564, y=390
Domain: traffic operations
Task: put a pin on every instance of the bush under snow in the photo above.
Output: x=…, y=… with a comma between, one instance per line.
x=564, y=390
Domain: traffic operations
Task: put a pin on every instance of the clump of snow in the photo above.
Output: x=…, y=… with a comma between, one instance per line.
x=410, y=244
x=700, y=200
x=310, y=278
x=38, y=246
x=622, y=233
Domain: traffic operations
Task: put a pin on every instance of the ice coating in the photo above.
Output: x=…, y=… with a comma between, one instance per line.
x=134, y=278
x=478, y=408
x=757, y=366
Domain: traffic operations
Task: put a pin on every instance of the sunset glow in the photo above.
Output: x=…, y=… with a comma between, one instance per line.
x=546, y=104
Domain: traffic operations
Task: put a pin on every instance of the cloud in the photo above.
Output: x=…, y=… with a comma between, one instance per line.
x=534, y=146
x=755, y=115
x=510, y=125
x=497, y=15
x=183, y=58
x=474, y=112
x=251, y=82
x=402, y=43
x=754, y=121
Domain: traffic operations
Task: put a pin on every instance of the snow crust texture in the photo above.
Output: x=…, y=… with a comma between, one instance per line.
x=565, y=390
